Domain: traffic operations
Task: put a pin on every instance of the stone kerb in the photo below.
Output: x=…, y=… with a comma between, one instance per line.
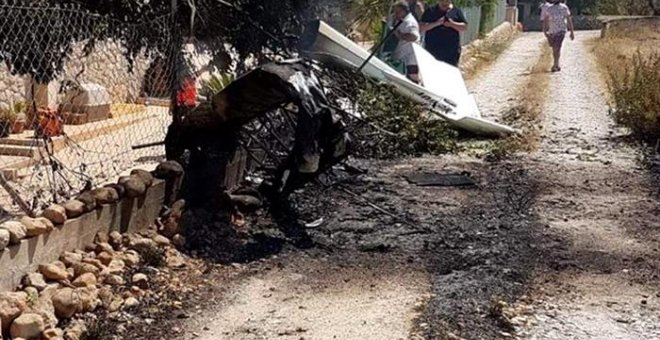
x=130, y=206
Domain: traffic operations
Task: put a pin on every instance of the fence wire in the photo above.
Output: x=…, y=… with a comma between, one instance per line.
x=74, y=102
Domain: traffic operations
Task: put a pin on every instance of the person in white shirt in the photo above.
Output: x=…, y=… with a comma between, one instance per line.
x=556, y=21
x=408, y=34
x=544, y=6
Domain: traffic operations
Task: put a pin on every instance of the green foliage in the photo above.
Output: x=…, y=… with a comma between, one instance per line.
x=391, y=125
x=612, y=7
x=16, y=111
x=404, y=127
x=488, y=12
x=370, y=12
x=584, y=7
x=35, y=41
x=19, y=107
x=378, y=32
x=636, y=99
x=216, y=83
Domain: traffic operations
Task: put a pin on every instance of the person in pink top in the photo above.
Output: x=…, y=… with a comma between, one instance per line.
x=556, y=21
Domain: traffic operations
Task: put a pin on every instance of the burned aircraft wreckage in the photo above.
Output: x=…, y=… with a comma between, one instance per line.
x=276, y=115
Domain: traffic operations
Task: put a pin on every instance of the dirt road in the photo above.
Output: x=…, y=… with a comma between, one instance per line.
x=561, y=243
x=600, y=213
x=317, y=298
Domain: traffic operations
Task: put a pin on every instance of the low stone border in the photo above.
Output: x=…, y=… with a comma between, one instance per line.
x=621, y=24
x=81, y=249
x=129, y=206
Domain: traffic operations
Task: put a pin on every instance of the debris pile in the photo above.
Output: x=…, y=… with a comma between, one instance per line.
x=383, y=123
x=297, y=130
x=237, y=115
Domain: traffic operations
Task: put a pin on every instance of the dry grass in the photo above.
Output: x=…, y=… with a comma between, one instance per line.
x=615, y=52
x=483, y=53
x=629, y=61
x=528, y=114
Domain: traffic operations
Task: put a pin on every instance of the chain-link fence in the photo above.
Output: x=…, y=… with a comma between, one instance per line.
x=75, y=100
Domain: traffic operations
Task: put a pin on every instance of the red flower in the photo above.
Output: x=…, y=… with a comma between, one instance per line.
x=187, y=95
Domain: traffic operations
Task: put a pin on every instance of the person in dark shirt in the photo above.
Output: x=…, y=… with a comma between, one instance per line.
x=442, y=25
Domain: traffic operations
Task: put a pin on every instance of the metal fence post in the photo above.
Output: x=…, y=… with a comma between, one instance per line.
x=176, y=59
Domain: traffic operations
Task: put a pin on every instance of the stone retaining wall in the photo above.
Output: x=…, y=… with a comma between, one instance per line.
x=12, y=88
x=616, y=26
x=83, y=255
x=106, y=65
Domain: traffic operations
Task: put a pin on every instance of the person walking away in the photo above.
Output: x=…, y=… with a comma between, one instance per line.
x=556, y=20
x=408, y=34
x=442, y=25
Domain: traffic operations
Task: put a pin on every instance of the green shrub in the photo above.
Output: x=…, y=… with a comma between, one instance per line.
x=636, y=96
x=215, y=84
x=488, y=11
x=624, y=7
x=397, y=126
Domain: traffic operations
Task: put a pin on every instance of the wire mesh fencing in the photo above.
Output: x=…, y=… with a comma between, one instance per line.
x=75, y=101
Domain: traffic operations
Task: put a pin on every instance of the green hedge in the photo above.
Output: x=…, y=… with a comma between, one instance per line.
x=488, y=12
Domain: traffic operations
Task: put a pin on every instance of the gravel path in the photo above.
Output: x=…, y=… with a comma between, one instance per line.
x=497, y=86
x=302, y=301
x=600, y=275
